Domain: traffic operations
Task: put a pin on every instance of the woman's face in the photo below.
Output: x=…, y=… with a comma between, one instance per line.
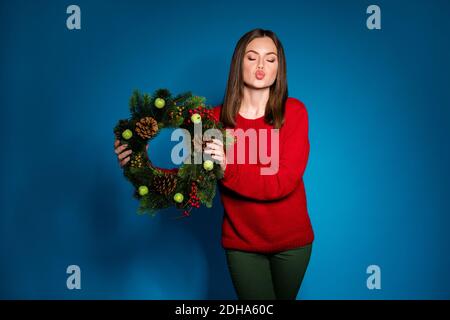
x=260, y=63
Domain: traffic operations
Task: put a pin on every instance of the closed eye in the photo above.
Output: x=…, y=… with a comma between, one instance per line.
x=272, y=61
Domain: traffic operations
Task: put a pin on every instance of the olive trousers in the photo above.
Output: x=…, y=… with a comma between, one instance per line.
x=271, y=276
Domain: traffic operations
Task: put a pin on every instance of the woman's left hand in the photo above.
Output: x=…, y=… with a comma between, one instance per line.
x=216, y=149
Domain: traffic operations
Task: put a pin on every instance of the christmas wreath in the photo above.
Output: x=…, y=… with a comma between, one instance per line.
x=187, y=186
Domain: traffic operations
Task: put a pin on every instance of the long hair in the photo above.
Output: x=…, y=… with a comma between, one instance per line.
x=275, y=107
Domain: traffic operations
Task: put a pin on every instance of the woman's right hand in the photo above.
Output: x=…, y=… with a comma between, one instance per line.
x=122, y=154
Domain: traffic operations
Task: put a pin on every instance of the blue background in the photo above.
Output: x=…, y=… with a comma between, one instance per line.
x=377, y=179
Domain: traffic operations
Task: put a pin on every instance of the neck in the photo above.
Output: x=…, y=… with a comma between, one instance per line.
x=254, y=101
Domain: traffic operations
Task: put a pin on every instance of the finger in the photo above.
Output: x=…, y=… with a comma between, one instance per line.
x=214, y=153
x=209, y=151
x=212, y=143
x=214, y=146
x=124, y=154
x=219, y=142
x=116, y=143
x=121, y=148
x=218, y=158
x=124, y=161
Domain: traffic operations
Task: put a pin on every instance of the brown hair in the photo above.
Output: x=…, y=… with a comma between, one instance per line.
x=275, y=107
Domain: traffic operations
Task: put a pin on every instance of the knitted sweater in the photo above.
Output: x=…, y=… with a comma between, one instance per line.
x=267, y=212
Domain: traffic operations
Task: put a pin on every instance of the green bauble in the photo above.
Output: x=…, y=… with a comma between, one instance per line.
x=208, y=165
x=143, y=190
x=127, y=134
x=178, y=197
x=160, y=103
x=196, y=118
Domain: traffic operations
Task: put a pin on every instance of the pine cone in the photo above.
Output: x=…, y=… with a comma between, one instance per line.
x=146, y=127
x=164, y=184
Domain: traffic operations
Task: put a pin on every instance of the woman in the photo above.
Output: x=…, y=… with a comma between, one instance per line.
x=266, y=231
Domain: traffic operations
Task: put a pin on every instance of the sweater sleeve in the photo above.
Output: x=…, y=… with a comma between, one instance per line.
x=247, y=179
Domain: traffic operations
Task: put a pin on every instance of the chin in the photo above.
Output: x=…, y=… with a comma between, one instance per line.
x=257, y=84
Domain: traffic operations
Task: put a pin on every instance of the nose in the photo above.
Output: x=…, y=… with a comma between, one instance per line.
x=260, y=64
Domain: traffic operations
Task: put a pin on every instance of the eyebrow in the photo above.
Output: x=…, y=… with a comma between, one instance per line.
x=258, y=53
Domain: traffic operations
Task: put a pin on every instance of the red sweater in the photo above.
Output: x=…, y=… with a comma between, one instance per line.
x=268, y=213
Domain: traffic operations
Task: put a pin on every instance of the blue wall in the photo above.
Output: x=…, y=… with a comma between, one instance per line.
x=377, y=179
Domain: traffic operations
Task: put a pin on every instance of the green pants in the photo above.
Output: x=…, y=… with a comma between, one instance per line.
x=268, y=276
